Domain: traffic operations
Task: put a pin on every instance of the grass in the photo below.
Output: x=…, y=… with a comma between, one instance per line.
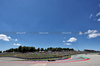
x=50, y=58
x=39, y=56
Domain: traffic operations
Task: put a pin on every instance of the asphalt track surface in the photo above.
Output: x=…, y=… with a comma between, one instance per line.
x=8, y=61
x=75, y=60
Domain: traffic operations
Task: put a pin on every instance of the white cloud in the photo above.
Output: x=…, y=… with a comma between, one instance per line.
x=99, y=5
x=98, y=14
x=5, y=37
x=67, y=44
x=16, y=39
x=93, y=35
x=91, y=31
x=72, y=40
x=80, y=33
x=17, y=44
x=91, y=15
x=63, y=41
x=98, y=20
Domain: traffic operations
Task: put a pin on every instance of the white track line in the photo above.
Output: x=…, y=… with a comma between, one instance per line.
x=38, y=65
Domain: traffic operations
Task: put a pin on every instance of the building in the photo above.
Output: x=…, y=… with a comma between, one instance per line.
x=88, y=50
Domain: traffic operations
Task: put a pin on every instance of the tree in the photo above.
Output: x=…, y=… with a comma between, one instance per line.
x=15, y=50
x=42, y=49
x=20, y=49
x=51, y=49
x=67, y=49
x=10, y=50
x=72, y=49
x=38, y=49
x=59, y=49
x=64, y=49
x=0, y=51
x=32, y=49
x=24, y=49
x=45, y=49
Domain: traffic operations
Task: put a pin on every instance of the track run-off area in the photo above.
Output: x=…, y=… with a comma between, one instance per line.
x=75, y=60
x=9, y=61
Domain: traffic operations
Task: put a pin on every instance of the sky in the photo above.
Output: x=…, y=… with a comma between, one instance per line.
x=50, y=23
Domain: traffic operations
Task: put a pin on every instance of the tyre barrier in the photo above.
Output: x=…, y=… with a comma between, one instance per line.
x=51, y=60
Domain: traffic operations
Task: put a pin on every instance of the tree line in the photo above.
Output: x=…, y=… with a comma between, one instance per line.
x=33, y=49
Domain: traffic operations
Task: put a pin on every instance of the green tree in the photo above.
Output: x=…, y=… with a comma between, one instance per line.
x=15, y=50
x=42, y=49
x=38, y=49
x=32, y=49
x=59, y=49
x=24, y=49
x=20, y=49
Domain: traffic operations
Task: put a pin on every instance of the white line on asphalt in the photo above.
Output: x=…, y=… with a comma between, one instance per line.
x=38, y=65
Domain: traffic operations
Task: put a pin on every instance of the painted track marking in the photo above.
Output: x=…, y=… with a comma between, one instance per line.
x=38, y=65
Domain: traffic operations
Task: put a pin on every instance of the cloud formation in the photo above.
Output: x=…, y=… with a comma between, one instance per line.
x=98, y=19
x=63, y=41
x=91, y=15
x=98, y=14
x=72, y=39
x=16, y=39
x=17, y=44
x=5, y=37
x=67, y=44
x=80, y=33
x=92, y=33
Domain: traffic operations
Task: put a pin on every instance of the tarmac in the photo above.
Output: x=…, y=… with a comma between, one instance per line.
x=75, y=60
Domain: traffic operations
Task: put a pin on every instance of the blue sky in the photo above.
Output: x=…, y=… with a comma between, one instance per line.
x=81, y=18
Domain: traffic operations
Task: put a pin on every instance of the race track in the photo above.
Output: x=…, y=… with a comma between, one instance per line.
x=75, y=60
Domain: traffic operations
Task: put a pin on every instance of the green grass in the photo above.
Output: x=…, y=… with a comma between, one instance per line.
x=31, y=55
x=39, y=55
x=50, y=58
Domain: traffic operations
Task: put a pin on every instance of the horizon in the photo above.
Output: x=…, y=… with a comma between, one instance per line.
x=48, y=47
x=50, y=23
